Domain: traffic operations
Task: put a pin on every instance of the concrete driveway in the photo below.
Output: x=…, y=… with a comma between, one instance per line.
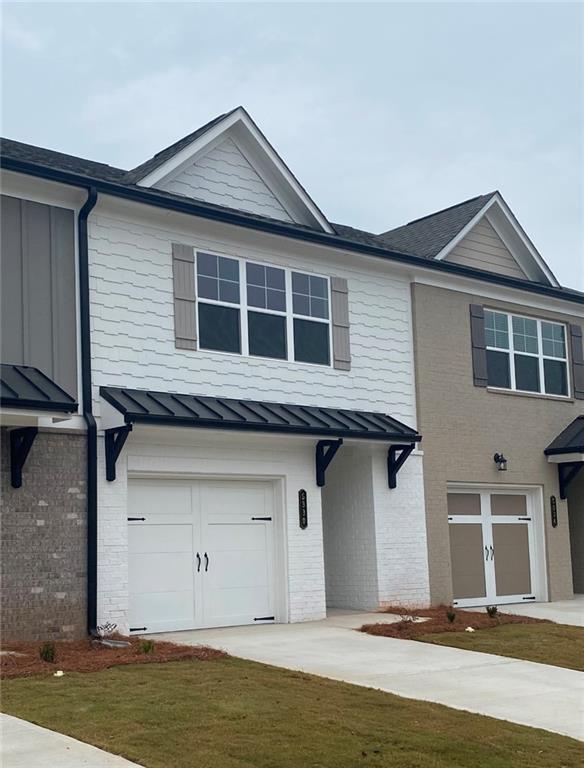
x=560, y=611
x=523, y=692
x=24, y=745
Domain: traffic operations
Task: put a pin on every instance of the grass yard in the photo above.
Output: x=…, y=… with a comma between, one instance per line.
x=230, y=713
x=556, y=644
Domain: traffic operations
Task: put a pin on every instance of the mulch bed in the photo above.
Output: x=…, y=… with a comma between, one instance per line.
x=437, y=621
x=83, y=656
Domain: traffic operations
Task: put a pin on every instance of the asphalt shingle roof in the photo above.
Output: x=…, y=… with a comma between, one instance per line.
x=429, y=235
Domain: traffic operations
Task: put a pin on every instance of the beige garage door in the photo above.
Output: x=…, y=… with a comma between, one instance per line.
x=491, y=547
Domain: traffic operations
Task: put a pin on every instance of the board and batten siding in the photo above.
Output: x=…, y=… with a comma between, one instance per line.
x=133, y=334
x=482, y=248
x=38, y=318
x=225, y=177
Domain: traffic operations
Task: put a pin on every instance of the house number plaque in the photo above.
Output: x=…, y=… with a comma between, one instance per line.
x=554, y=508
x=302, y=509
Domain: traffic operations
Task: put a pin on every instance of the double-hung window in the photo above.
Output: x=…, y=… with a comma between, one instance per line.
x=262, y=311
x=526, y=354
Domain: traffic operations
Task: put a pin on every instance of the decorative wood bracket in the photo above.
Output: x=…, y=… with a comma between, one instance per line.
x=21, y=441
x=566, y=473
x=325, y=453
x=114, y=442
x=396, y=458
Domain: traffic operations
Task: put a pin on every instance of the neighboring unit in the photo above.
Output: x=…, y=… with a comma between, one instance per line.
x=499, y=373
x=246, y=447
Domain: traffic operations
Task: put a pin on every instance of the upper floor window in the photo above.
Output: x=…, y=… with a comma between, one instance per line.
x=262, y=311
x=526, y=354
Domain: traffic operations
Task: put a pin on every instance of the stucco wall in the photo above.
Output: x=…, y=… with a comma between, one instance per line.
x=43, y=544
x=464, y=426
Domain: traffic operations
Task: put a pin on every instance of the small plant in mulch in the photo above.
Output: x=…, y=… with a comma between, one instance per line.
x=24, y=659
x=48, y=653
x=492, y=610
x=441, y=618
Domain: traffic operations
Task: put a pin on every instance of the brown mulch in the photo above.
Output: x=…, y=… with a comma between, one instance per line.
x=83, y=656
x=437, y=621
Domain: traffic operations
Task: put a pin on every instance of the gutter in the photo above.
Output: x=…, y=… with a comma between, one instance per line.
x=154, y=198
x=87, y=400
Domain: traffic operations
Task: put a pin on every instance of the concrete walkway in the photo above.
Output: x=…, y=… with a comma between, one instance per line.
x=523, y=692
x=560, y=611
x=24, y=745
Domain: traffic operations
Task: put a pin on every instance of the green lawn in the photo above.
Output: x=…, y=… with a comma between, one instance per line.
x=232, y=713
x=555, y=644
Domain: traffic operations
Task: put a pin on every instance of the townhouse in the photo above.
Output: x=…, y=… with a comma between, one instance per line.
x=213, y=398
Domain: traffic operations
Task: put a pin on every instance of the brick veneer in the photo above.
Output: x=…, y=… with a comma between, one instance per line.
x=43, y=541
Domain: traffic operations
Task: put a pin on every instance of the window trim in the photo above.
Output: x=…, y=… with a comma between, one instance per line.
x=511, y=351
x=244, y=308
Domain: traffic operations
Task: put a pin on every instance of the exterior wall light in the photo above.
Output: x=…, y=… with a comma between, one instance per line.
x=500, y=461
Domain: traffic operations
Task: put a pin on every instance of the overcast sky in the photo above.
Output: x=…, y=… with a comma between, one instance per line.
x=385, y=112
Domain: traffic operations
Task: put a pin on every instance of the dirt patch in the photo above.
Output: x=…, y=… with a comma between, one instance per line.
x=23, y=659
x=437, y=621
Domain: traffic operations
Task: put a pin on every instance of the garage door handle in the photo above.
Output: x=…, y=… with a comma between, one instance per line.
x=492, y=553
x=206, y=562
x=486, y=553
x=198, y=562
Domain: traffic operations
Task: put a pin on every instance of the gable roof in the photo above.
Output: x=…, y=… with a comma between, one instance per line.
x=429, y=235
x=78, y=172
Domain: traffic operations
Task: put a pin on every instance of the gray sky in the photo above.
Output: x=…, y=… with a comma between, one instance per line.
x=385, y=112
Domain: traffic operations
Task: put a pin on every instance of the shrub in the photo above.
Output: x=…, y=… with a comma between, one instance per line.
x=492, y=610
x=146, y=646
x=450, y=615
x=47, y=652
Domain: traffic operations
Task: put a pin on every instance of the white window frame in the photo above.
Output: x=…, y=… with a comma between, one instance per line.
x=244, y=308
x=511, y=351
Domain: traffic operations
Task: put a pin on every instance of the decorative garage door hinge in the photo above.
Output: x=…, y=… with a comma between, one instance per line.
x=138, y=629
x=264, y=618
x=261, y=518
x=130, y=519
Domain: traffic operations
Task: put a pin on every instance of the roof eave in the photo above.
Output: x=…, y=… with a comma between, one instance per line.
x=148, y=196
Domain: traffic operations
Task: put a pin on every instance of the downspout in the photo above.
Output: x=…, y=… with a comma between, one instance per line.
x=87, y=399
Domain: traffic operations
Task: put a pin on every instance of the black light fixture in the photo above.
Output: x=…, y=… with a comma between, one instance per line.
x=500, y=461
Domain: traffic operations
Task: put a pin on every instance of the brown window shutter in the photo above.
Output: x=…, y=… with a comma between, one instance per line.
x=479, y=349
x=185, y=311
x=577, y=361
x=340, y=319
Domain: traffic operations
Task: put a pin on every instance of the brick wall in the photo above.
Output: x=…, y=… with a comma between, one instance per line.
x=43, y=541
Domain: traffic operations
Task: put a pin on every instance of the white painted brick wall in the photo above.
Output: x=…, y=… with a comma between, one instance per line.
x=133, y=331
x=223, y=176
x=349, y=530
x=402, y=555
x=300, y=562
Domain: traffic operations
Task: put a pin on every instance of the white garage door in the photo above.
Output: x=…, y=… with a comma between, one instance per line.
x=201, y=554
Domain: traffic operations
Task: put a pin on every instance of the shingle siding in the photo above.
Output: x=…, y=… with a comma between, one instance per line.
x=225, y=177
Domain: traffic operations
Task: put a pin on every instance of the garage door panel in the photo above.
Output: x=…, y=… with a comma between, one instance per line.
x=156, y=608
x=236, y=537
x=239, y=605
x=230, y=502
x=161, y=571
x=145, y=538
x=246, y=569
x=150, y=498
x=512, y=559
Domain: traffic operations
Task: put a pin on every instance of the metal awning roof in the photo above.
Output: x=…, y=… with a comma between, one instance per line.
x=22, y=386
x=570, y=440
x=145, y=407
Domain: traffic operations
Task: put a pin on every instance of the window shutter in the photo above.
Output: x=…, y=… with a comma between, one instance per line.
x=577, y=361
x=340, y=320
x=183, y=278
x=479, y=350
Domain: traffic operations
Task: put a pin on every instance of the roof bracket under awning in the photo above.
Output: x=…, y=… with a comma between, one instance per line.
x=567, y=471
x=21, y=441
x=396, y=458
x=114, y=442
x=325, y=453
